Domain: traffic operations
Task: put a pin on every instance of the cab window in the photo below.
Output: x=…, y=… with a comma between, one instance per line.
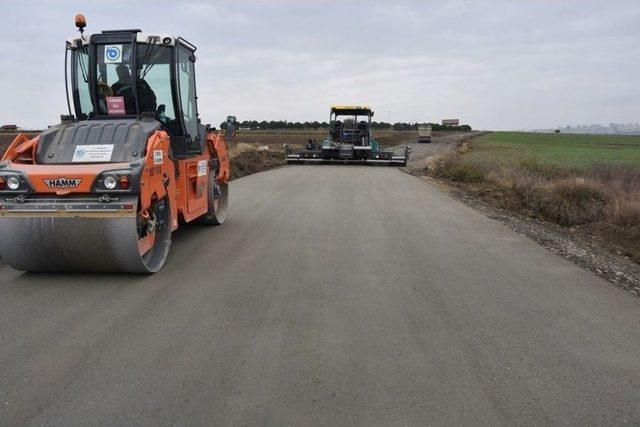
x=154, y=84
x=80, y=72
x=187, y=89
x=114, y=83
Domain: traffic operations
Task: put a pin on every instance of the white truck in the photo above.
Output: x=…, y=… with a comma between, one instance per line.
x=424, y=133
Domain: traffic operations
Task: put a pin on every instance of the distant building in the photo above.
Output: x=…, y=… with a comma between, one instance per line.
x=450, y=122
x=599, y=129
x=9, y=127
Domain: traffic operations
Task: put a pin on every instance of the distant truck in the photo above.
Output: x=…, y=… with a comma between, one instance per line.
x=424, y=133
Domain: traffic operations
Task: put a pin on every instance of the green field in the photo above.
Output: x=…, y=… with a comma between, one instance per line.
x=573, y=151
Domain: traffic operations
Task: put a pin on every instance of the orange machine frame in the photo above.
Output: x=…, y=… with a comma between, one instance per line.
x=186, y=190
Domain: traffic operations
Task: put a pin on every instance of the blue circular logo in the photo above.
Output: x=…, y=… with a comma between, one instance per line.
x=80, y=152
x=113, y=53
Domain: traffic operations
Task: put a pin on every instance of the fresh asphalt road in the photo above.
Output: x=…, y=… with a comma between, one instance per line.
x=333, y=295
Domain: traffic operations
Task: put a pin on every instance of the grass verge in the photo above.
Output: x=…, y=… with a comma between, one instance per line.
x=566, y=150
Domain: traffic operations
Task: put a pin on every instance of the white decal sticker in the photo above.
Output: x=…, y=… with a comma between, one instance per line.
x=157, y=157
x=202, y=168
x=92, y=153
x=112, y=53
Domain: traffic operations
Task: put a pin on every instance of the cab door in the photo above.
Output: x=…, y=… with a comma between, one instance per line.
x=196, y=167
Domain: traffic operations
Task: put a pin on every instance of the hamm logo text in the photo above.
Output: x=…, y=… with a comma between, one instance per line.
x=62, y=182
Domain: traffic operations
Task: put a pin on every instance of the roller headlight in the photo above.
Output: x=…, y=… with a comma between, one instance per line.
x=114, y=181
x=110, y=182
x=13, y=183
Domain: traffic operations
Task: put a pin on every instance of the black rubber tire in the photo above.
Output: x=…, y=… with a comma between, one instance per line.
x=217, y=201
x=156, y=257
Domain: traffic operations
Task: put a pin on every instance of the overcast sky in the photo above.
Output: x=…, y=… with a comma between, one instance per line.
x=495, y=64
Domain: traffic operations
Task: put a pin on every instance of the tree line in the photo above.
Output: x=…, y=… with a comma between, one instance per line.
x=283, y=124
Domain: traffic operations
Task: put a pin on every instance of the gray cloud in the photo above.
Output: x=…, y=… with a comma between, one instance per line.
x=496, y=64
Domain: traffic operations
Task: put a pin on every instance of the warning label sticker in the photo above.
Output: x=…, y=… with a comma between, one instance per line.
x=115, y=105
x=113, y=54
x=202, y=168
x=157, y=157
x=92, y=153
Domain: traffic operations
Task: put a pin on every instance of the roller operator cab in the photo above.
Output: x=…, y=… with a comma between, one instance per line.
x=232, y=126
x=104, y=189
x=350, y=140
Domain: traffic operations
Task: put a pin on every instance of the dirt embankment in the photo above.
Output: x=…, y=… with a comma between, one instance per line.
x=247, y=159
x=275, y=139
x=391, y=138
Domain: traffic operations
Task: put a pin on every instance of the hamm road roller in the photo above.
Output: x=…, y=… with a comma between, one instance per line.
x=104, y=189
x=349, y=141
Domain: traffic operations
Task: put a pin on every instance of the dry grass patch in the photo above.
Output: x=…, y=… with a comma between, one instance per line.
x=566, y=201
x=454, y=167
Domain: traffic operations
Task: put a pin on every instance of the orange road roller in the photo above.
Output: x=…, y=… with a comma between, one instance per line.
x=104, y=189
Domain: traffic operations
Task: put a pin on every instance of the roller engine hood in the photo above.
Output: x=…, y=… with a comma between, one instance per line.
x=95, y=141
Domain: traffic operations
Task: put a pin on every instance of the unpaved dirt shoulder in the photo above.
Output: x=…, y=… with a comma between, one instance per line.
x=582, y=250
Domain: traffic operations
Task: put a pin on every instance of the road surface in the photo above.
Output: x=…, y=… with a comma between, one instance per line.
x=334, y=295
